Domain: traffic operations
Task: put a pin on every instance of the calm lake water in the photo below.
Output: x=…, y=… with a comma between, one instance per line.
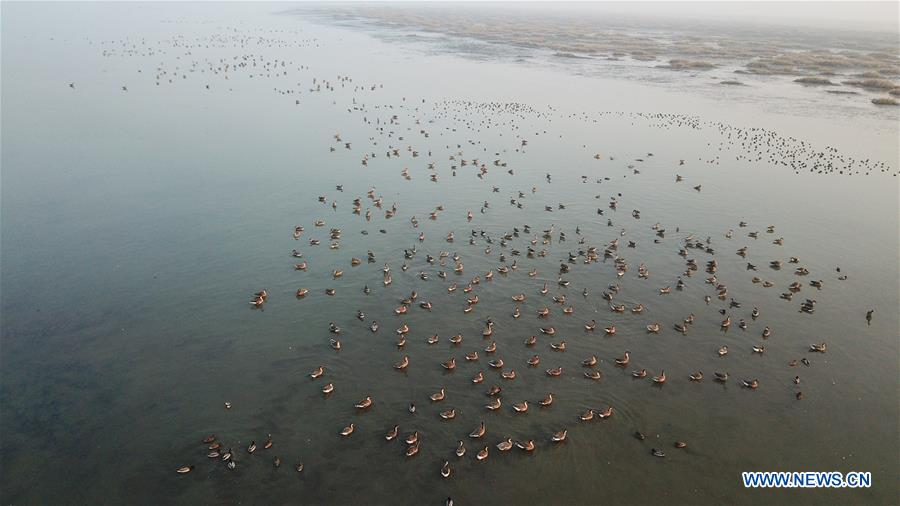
x=137, y=224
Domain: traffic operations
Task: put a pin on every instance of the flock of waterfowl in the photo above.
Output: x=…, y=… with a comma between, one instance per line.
x=598, y=276
x=526, y=254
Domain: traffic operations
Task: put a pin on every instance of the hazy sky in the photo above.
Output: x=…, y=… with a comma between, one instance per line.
x=883, y=15
x=848, y=14
x=854, y=14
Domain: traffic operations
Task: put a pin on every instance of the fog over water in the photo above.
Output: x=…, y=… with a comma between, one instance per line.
x=157, y=159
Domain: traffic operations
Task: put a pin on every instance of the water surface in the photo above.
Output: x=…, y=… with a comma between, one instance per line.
x=135, y=226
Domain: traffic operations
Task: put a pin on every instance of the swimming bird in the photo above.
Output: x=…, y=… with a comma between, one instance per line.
x=505, y=445
x=392, y=434
x=402, y=364
x=593, y=375
x=527, y=446
x=460, y=448
x=546, y=401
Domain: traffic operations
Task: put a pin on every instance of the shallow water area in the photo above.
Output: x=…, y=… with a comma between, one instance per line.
x=137, y=224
